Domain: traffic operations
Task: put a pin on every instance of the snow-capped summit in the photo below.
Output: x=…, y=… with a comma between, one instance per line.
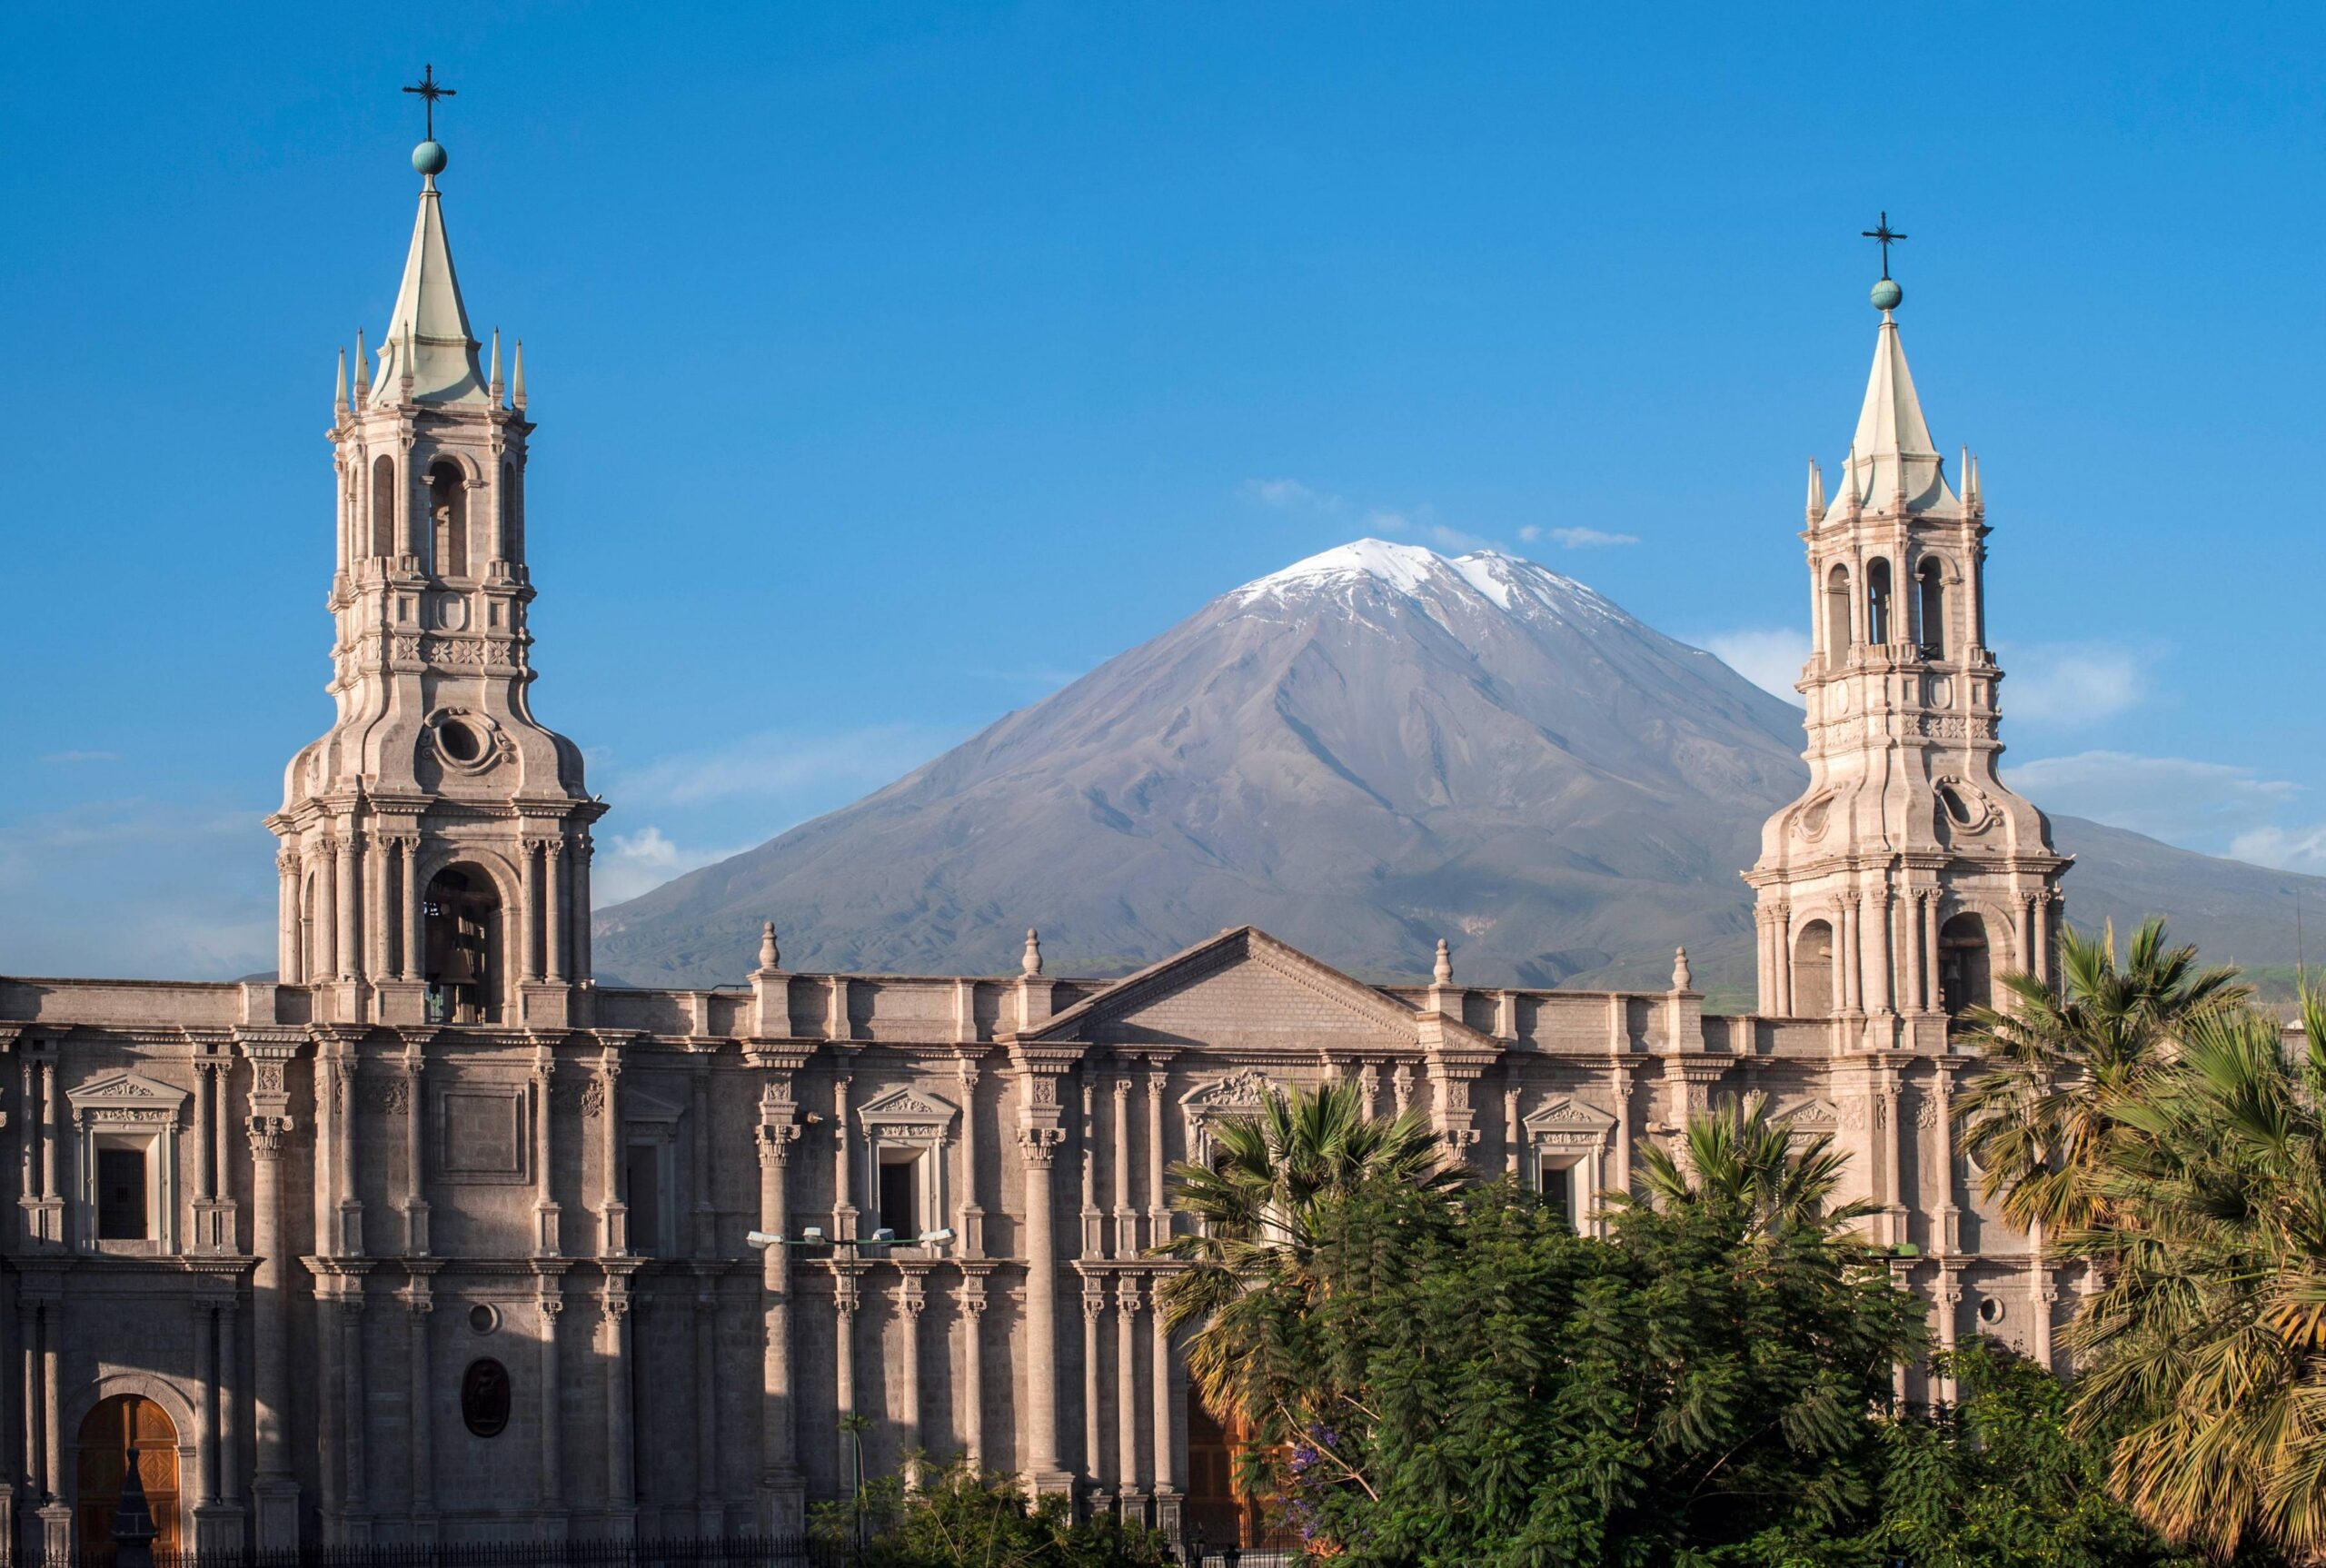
x=1506, y=581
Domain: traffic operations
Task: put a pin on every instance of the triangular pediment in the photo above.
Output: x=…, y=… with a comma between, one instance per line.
x=129, y=1097
x=1808, y=1115
x=1242, y=989
x=1565, y=1114
x=907, y=1105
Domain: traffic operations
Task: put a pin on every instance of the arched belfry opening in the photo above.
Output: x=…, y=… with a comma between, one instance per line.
x=1838, y=614
x=1813, y=971
x=512, y=512
x=448, y=519
x=1877, y=601
x=1930, y=609
x=384, y=505
x=109, y=1434
x=461, y=947
x=1965, y=974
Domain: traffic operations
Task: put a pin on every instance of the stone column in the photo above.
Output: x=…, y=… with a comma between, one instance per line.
x=912, y=1298
x=275, y=1490
x=1094, y=1305
x=1947, y=1237
x=844, y=1189
x=1041, y=1455
x=1852, y=945
x=206, y=1385
x=207, y=1155
x=1781, y=919
x=1087, y=1142
x=1164, y=1408
x=379, y=908
x=707, y=1490
x=970, y=1413
x=415, y=1176
x=2042, y=1294
x=551, y=1302
x=322, y=964
x=972, y=1224
x=230, y=1422
x=555, y=891
x=613, y=1214
x=1932, y=993
x=349, y=1212
x=844, y=1303
x=1127, y=1305
x=706, y=1217
x=545, y=1210
x=782, y=1492
x=529, y=910
x=1884, y=945
x=1126, y=1237
x=56, y=1517
x=410, y=894
x=1158, y=1203
x=1892, y=1138
x=621, y=1486
x=354, y=1406
x=1915, y=1000
x=581, y=850
x=2027, y=959
x=418, y=1304
x=1946, y=1302
x=286, y=934
x=350, y=905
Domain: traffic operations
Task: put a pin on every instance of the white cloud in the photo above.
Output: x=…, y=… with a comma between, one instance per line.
x=2294, y=849
x=1577, y=538
x=1289, y=495
x=1446, y=538
x=1769, y=656
x=635, y=863
x=66, y=759
x=2216, y=807
x=2069, y=683
x=1379, y=520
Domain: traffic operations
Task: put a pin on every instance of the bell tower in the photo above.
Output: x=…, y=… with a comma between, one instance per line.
x=436, y=842
x=1907, y=877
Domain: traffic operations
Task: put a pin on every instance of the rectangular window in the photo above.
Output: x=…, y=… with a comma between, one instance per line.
x=900, y=1193
x=644, y=1180
x=1558, y=1191
x=121, y=1195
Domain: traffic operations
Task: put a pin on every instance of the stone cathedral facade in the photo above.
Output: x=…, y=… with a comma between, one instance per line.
x=434, y=1238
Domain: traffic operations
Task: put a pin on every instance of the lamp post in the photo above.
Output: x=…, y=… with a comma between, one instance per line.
x=854, y=1423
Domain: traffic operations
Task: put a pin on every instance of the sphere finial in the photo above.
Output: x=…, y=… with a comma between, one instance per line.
x=430, y=157
x=1886, y=295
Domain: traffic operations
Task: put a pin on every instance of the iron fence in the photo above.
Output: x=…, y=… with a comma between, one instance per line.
x=682, y=1552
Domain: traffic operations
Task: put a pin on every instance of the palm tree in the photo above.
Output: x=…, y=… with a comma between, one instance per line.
x=1742, y=1161
x=1258, y=1204
x=2037, y=1120
x=2204, y=1354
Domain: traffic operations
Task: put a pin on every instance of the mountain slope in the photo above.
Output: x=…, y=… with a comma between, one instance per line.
x=1369, y=749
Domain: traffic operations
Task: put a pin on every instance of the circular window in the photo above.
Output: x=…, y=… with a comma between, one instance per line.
x=459, y=741
x=484, y=1397
x=1990, y=1311
x=483, y=1319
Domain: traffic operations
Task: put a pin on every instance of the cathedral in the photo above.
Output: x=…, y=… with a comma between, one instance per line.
x=432, y=1237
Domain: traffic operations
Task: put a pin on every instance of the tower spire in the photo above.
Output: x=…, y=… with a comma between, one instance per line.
x=428, y=354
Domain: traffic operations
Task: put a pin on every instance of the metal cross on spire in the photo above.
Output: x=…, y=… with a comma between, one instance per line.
x=1882, y=234
x=430, y=91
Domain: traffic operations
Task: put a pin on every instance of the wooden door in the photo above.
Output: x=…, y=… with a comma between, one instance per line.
x=107, y=1435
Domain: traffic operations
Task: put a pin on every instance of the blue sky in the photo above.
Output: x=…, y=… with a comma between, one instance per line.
x=896, y=363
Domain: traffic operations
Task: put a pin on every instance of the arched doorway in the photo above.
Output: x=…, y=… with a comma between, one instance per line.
x=1813, y=971
x=108, y=1432
x=462, y=948
x=1965, y=976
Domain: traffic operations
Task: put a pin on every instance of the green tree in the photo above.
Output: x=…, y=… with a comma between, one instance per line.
x=964, y=1517
x=1998, y=1481
x=1479, y=1384
x=1256, y=1204
x=2038, y=1118
x=2205, y=1350
x=1746, y=1165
